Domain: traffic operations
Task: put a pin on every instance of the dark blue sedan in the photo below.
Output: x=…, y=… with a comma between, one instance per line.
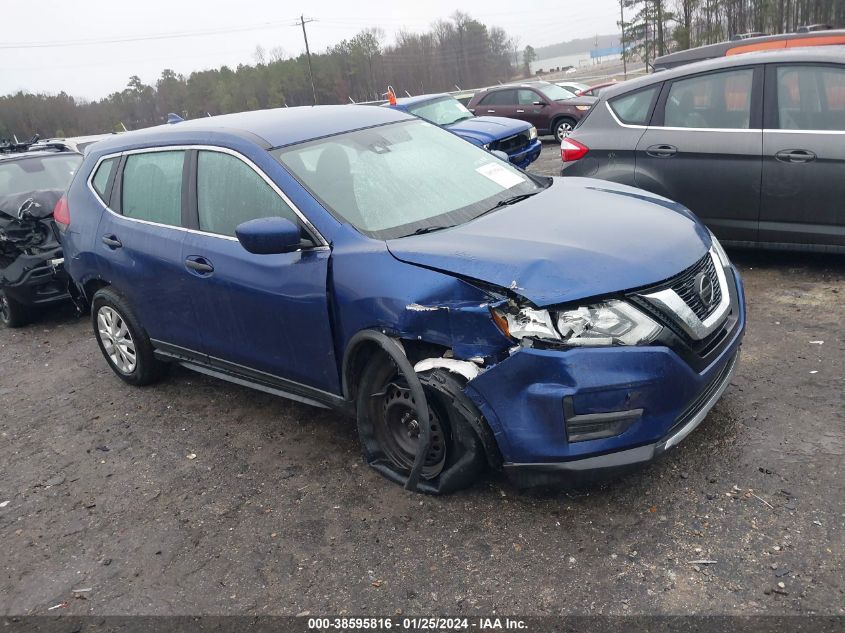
x=515, y=138
x=466, y=314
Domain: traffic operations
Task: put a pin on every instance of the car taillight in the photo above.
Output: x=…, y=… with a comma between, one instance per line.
x=61, y=213
x=570, y=150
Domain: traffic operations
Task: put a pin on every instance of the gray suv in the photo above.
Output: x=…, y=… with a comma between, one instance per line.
x=754, y=144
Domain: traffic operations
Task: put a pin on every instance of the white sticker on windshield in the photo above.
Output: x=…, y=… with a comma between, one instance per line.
x=500, y=175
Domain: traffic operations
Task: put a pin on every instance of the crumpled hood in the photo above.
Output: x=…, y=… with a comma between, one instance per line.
x=486, y=129
x=579, y=238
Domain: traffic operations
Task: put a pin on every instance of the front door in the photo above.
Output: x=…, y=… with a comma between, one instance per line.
x=804, y=155
x=704, y=149
x=263, y=315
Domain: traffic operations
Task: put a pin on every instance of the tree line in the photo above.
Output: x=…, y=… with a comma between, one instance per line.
x=458, y=52
x=655, y=27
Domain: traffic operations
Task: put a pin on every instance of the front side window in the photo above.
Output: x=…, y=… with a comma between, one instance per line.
x=715, y=100
x=811, y=97
x=152, y=187
x=635, y=108
x=394, y=180
x=443, y=111
x=230, y=192
x=527, y=97
x=37, y=173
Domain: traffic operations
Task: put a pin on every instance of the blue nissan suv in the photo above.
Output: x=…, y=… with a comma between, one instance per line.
x=466, y=314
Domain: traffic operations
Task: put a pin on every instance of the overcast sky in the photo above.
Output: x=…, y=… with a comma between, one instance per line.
x=89, y=48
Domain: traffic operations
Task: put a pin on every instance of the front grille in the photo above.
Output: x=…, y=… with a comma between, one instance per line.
x=685, y=285
x=513, y=143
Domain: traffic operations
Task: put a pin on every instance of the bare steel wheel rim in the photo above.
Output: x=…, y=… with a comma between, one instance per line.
x=116, y=339
x=5, y=309
x=399, y=432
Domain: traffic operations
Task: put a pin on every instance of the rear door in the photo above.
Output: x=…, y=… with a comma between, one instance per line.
x=263, y=315
x=498, y=103
x=704, y=149
x=139, y=240
x=804, y=155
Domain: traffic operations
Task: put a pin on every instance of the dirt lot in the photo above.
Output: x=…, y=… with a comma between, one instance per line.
x=278, y=514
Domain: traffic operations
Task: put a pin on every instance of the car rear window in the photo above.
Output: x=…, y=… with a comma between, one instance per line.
x=635, y=108
x=152, y=187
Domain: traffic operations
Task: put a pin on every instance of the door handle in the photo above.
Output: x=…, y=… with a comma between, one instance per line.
x=112, y=242
x=199, y=265
x=489, y=111
x=662, y=151
x=520, y=111
x=795, y=156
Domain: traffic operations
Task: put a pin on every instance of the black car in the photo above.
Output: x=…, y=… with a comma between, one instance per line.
x=31, y=272
x=753, y=144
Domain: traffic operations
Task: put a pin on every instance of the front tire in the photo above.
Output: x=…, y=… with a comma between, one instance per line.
x=562, y=127
x=123, y=342
x=13, y=314
x=389, y=431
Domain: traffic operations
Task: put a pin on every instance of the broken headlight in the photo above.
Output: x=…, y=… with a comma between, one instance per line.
x=532, y=133
x=610, y=322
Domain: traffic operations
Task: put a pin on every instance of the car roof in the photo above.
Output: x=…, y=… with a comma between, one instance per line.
x=809, y=54
x=789, y=41
x=407, y=101
x=271, y=128
x=34, y=154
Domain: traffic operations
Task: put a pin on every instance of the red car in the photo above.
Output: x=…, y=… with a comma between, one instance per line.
x=548, y=107
x=595, y=91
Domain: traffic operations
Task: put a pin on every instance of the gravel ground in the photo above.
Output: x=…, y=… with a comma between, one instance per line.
x=277, y=514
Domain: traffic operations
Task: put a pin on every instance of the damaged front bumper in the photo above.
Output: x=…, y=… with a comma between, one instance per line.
x=580, y=414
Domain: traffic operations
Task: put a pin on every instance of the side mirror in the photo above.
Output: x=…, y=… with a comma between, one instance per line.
x=269, y=236
x=500, y=155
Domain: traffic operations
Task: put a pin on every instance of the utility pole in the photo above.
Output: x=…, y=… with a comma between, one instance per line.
x=302, y=22
x=622, y=24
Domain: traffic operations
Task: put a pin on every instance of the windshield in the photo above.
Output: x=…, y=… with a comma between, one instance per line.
x=444, y=111
x=37, y=173
x=555, y=93
x=397, y=179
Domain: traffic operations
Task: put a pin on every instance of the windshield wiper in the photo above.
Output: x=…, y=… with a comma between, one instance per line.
x=509, y=201
x=430, y=229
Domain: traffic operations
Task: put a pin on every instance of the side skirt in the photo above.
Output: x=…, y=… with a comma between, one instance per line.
x=247, y=377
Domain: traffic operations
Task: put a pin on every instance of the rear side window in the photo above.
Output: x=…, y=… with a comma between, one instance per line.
x=100, y=181
x=635, y=108
x=811, y=97
x=152, y=187
x=230, y=192
x=500, y=97
x=715, y=100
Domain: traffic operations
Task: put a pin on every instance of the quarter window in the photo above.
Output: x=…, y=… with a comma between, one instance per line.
x=811, y=97
x=152, y=187
x=715, y=100
x=635, y=108
x=101, y=178
x=230, y=192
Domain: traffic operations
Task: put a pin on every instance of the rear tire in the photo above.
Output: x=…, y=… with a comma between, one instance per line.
x=562, y=127
x=389, y=432
x=13, y=314
x=123, y=342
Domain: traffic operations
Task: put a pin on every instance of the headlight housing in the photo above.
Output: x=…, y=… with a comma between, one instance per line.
x=532, y=133
x=583, y=108
x=607, y=323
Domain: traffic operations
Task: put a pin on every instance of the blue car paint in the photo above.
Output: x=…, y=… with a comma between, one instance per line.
x=483, y=130
x=565, y=244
